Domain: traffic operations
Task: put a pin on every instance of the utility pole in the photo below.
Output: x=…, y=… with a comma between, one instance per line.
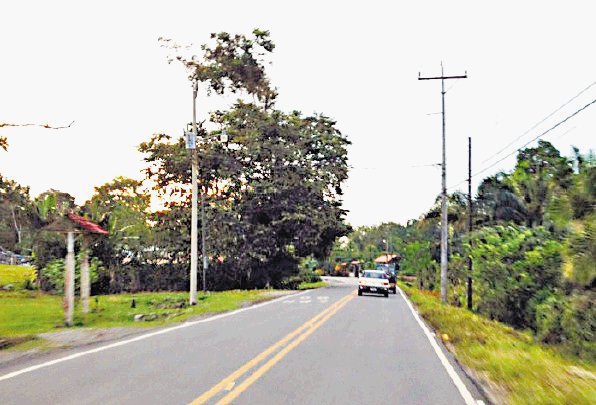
x=444, y=224
x=470, y=221
x=195, y=191
x=204, y=242
x=69, y=274
x=85, y=281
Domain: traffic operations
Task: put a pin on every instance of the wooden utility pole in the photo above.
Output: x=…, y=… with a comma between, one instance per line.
x=470, y=222
x=444, y=223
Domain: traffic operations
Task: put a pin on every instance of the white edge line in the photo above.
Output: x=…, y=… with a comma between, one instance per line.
x=142, y=337
x=461, y=387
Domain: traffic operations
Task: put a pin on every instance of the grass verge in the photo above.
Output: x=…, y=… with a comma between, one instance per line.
x=515, y=369
x=308, y=286
x=17, y=276
x=24, y=314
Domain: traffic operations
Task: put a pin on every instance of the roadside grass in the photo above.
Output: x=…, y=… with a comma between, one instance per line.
x=18, y=276
x=308, y=286
x=515, y=368
x=23, y=314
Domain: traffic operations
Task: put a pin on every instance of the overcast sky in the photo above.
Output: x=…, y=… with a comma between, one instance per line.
x=357, y=62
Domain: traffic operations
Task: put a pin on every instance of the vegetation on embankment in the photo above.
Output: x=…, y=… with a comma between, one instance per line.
x=515, y=368
x=309, y=286
x=26, y=313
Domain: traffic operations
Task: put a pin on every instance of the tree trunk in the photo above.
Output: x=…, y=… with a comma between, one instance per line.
x=17, y=228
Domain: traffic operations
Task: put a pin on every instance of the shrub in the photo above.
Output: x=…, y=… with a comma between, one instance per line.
x=53, y=273
x=548, y=319
x=515, y=269
x=291, y=283
x=310, y=276
x=578, y=322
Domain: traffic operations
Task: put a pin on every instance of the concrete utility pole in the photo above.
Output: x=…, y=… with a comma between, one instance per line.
x=85, y=281
x=195, y=191
x=204, y=242
x=444, y=224
x=469, y=221
x=69, y=274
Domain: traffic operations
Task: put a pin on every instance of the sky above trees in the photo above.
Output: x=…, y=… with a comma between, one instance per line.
x=102, y=67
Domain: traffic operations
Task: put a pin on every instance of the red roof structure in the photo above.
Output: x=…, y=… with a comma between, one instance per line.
x=385, y=258
x=86, y=224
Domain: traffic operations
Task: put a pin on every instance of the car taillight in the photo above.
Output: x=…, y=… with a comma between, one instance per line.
x=385, y=283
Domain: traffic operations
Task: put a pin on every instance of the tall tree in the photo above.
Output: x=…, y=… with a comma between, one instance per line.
x=121, y=207
x=16, y=211
x=233, y=63
x=540, y=174
x=274, y=191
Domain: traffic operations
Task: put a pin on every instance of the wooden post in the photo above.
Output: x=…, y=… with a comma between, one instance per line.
x=69, y=272
x=85, y=282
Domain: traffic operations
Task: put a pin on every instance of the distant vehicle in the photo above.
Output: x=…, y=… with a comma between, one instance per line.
x=386, y=267
x=391, y=278
x=373, y=281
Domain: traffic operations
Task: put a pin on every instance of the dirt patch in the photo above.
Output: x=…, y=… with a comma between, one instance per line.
x=8, y=342
x=86, y=336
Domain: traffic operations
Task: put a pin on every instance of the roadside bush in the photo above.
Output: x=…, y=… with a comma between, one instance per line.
x=291, y=283
x=578, y=323
x=515, y=270
x=310, y=277
x=458, y=277
x=53, y=273
x=548, y=319
x=582, y=248
x=416, y=259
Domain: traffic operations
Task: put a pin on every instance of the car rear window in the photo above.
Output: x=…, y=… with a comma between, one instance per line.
x=370, y=274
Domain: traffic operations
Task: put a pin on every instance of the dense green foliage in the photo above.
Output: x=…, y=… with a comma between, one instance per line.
x=54, y=273
x=533, y=247
x=272, y=193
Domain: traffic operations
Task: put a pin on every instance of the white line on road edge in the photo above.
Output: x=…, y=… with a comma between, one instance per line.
x=142, y=337
x=459, y=384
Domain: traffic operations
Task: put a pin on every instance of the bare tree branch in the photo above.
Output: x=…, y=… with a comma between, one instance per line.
x=7, y=124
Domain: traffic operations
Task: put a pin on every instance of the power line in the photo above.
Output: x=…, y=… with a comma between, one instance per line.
x=540, y=122
x=385, y=168
x=530, y=141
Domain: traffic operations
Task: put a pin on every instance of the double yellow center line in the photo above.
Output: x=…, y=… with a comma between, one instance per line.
x=290, y=342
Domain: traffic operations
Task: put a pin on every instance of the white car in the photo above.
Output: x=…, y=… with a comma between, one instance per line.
x=373, y=281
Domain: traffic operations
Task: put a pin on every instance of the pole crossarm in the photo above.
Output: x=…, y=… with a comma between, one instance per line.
x=465, y=76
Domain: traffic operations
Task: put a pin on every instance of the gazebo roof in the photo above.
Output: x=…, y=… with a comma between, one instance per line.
x=87, y=225
x=75, y=223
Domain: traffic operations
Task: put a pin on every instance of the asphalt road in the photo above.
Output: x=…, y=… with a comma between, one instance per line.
x=325, y=346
